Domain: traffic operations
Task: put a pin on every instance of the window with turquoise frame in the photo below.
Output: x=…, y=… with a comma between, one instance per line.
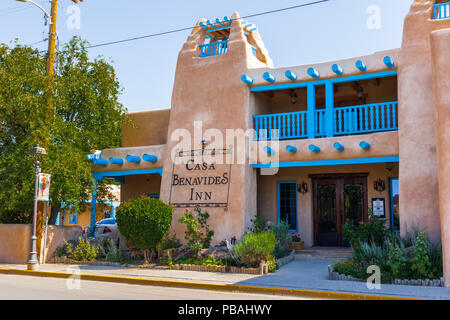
x=287, y=203
x=73, y=218
x=395, y=209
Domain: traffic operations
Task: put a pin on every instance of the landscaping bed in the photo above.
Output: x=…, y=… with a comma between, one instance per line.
x=332, y=275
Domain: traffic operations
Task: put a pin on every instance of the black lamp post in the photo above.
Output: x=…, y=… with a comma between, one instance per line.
x=33, y=263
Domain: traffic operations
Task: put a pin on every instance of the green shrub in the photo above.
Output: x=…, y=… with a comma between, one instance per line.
x=283, y=236
x=255, y=248
x=372, y=230
x=144, y=222
x=84, y=251
x=112, y=253
x=198, y=233
x=258, y=225
x=398, y=261
x=170, y=243
x=272, y=263
x=420, y=261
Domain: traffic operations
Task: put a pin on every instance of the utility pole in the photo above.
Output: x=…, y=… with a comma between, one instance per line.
x=52, y=39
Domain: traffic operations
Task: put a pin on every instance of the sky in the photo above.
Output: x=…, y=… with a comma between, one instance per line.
x=327, y=31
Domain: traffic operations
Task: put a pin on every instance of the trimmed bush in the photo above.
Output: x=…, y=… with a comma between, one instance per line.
x=255, y=247
x=144, y=222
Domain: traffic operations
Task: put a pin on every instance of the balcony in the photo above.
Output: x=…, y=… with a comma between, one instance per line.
x=350, y=120
x=213, y=49
x=441, y=10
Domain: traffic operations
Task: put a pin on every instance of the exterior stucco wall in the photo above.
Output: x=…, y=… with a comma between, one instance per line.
x=268, y=192
x=440, y=45
x=150, y=128
x=84, y=218
x=15, y=241
x=419, y=201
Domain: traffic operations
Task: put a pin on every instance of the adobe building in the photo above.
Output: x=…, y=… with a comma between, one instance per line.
x=316, y=145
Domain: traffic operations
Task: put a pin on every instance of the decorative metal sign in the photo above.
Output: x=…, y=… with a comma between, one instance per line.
x=378, y=207
x=44, y=187
x=201, y=178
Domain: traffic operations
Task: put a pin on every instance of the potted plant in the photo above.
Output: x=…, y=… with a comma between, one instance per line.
x=296, y=243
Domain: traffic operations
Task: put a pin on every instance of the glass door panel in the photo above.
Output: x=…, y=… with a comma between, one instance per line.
x=327, y=233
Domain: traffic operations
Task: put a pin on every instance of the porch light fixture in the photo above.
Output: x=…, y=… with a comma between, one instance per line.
x=303, y=188
x=294, y=97
x=379, y=185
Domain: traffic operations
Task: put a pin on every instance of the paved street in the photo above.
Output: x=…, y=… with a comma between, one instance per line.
x=13, y=287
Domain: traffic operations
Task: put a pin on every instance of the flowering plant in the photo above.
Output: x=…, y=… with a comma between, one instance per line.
x=197, y=234
x=296, y=237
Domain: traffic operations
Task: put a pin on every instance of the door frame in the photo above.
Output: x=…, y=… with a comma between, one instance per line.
x=339, y=180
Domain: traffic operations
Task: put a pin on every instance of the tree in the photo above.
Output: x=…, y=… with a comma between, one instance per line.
x=84, y=115
x=144, y=222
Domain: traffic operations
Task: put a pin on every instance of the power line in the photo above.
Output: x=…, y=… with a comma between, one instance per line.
x=190, y=28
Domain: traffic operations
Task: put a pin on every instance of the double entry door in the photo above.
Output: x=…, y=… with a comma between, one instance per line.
x=337, y=199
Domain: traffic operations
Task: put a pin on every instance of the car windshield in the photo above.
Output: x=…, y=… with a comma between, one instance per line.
x=108, y=221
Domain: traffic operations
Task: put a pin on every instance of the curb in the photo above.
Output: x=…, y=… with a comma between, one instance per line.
x=207, y=286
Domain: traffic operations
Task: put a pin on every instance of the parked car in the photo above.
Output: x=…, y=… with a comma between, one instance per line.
x=106, y=229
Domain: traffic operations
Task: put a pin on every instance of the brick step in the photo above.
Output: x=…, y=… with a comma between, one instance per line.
x=323, y=254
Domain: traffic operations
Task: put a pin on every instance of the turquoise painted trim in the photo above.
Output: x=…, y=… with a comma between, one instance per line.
x=313, y=73
x=304, y=84
x=296, y=203
x=99, y=176
x=391, y=199
x=337, y=69
x=227, y=19
x=117, y=161
x=269, y=151
x=329, y=108
x=318, y=163
x=364, y=145
x=91, y=156
x=93, y=207
x=246, y=79
x=291, y=149
x=100, y=162
x=361, y=66
x=339, y=146
x=389, y=62
x=203, y=25
x=219, y=28
x=149, y=158
x=314, y=148
x=441, y=10
x=269, y=77
x=290, y=75
x=213, y=49
x=311, y=111
x=133, y=159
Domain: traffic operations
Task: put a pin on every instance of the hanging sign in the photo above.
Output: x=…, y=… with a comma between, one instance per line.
x=44, y=187
x=378, y=207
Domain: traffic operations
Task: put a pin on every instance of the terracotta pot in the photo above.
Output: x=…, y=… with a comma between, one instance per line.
x=297, y=245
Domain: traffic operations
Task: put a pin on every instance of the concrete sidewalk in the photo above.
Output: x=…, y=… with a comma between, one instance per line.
x=303, y=277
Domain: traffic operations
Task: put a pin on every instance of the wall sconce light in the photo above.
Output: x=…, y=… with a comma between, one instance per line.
x=379, y=185
x=294, y=97
x=303, y=187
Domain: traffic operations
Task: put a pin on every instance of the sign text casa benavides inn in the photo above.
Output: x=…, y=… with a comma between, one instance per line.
x=200, y=181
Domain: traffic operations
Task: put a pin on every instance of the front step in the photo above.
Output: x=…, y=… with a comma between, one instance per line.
x=323, y=254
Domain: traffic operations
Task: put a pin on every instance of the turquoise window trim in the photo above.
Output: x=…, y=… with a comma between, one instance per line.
x=315, y=163
x=391, y=200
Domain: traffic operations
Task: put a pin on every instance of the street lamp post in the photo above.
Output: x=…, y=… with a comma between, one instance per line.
x=33, y=263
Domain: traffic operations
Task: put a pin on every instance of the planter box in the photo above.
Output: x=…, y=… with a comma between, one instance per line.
x=297, y=245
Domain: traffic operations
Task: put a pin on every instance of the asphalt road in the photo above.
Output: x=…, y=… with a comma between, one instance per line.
x=16, y=287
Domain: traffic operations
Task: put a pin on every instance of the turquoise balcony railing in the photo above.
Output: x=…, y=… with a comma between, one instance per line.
x=214, y=48
x=346, y=121
x=366, y=118
x=442, y=10
x=280, y=126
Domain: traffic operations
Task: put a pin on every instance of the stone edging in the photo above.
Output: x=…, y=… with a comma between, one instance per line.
x=427, y=282
x=285, y=260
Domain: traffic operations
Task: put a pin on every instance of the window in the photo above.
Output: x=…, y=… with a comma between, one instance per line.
x=73, y=218
x=287, y=203
x=395, y=209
